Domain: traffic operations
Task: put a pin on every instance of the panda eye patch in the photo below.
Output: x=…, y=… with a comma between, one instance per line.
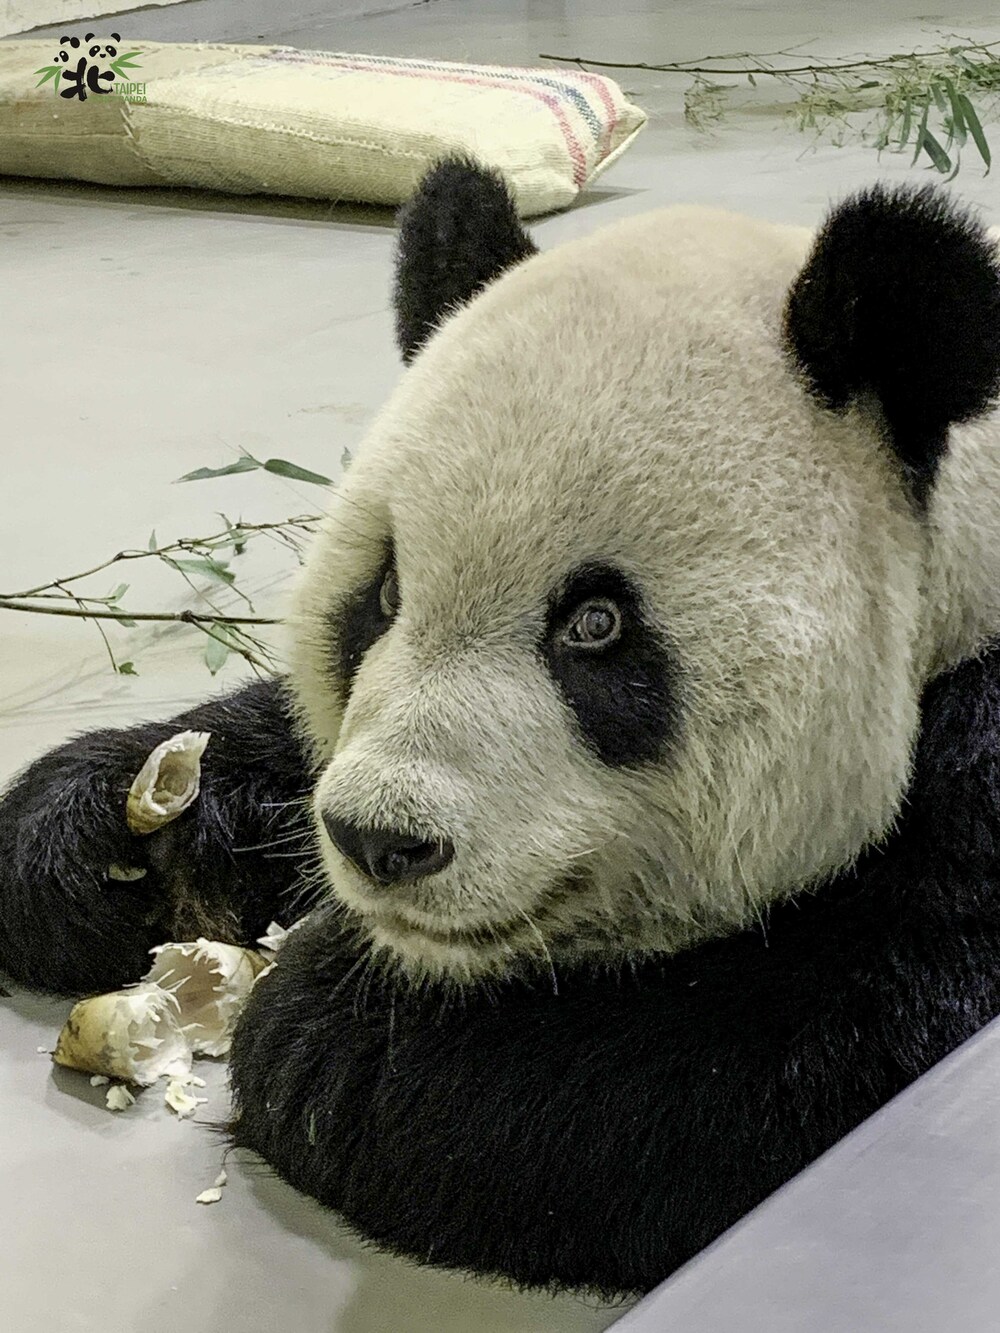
x=595, y=625
x=614, y=670
x=360, y=622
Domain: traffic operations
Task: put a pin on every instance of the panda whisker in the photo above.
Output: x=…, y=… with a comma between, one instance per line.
x=297, y=835
x=364, y=986
x=304, y=900
x=592, y=851
x=340, y=498
x=364, y=535
x=753, y=906
x=390, y=1031
x=359, y=539
x=318, y=867
x=358, y=963
x=544, y=948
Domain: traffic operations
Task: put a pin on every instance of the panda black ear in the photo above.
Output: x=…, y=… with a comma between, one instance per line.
x=899, y=302
x=458, y=232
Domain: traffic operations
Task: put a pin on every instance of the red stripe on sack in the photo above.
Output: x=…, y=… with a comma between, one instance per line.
x=597, y=82
x=572, y=143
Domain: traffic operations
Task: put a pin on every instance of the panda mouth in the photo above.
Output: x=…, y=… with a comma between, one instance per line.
x=465, y=936
x=487, y=934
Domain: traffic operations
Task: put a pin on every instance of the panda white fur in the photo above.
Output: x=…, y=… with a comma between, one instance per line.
x=663, y=590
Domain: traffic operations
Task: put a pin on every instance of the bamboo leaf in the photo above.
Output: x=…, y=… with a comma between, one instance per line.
x=216, y=652
x=935, y=152
x=219, y=643
x=212, y=569
x=922, y=129
x=235, y=535
x=280, y=467
x=957, y=121
x=243, y=464
x=904, y=133
x=112, y=597
x=976, y=130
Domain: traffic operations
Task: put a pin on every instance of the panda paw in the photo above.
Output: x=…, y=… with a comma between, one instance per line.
x=81, y=901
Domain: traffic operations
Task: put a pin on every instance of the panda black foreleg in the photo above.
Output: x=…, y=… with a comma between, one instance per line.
x=83, y=899
x=599, y=1136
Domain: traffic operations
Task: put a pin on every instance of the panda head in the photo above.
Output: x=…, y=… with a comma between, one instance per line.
x=618, y=625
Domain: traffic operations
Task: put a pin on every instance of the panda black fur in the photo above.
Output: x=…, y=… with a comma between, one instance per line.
x=631, y=1022
x=67, y=926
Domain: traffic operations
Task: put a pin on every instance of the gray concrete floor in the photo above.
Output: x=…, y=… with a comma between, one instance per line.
x=150, y=333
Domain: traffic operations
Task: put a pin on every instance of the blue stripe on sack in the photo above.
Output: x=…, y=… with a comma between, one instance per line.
x=570, y=94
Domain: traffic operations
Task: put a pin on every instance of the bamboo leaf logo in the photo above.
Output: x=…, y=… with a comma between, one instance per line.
x=49, y=72
x=125, y=62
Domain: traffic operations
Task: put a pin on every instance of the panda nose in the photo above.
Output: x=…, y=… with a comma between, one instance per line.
x=386, y=856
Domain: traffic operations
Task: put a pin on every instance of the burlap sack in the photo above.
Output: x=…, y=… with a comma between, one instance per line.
x=251, y=120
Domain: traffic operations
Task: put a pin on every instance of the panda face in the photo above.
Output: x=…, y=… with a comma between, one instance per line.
x=615, y=632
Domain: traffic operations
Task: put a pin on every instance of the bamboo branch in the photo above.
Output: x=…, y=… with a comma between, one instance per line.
x=704, y=64
x=187, y=617
x=183, y=544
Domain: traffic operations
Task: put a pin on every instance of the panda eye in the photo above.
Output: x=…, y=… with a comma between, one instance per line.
x=596, y=624
x=388, y=595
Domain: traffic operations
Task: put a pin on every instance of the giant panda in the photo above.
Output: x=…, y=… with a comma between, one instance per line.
x=640, y=750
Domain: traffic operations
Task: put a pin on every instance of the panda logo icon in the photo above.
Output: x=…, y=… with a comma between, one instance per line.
x=90, y=71
x=105, y=53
